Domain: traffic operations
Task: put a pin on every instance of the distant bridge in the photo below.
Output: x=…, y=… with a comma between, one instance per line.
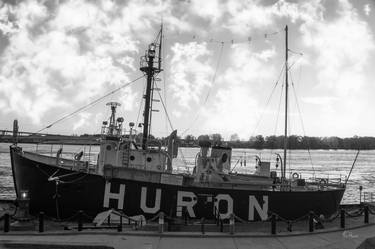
x=8, y=136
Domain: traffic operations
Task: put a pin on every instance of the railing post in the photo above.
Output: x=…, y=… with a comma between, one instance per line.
x=366, y=214
x=231, y=224
x=119, y=228
x=161, y=222
x=41, y=222
x=311, y=221
x=80, y=217
x=6, y=223
x=221, y=226
x=202, y=225
x=273, y=224
x=342, y=218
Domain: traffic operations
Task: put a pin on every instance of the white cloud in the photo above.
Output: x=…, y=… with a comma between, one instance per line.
x=367, y=9
x=210, y=10
x=190, y=72
x=236, y=104
x=342, y=48
x=231, y=112
x=83, y=120
x=319, y=100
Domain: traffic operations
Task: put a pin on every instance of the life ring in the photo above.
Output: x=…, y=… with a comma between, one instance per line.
x=78, y=156
x=322, y=182
x=295, y=175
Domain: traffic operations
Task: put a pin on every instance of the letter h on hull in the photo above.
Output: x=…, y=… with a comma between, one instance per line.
x=114, y=196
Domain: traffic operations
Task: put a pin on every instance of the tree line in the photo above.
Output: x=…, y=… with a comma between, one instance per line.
x=277, y=142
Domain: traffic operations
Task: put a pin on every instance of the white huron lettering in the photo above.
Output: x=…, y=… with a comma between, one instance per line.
x=254, y=204
x=188, y=200
x=229, y=200
x=116, y=196
x=156, y=207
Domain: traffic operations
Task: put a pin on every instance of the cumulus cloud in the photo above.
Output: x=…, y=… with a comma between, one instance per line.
x=342, y=48
x=367, y=9
x=63, y=55
x=236, y=104
x=83, y=120
x=59, y=55
x=190, y=72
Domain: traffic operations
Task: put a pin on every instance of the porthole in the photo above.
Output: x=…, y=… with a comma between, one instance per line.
x=132, y=158
x=224, y=158
x=109, y=147
x=149, y=159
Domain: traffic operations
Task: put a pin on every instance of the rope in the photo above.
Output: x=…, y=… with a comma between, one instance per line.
x=371, y=211
x=231, y=41
x=356, y=213
x=89, y=104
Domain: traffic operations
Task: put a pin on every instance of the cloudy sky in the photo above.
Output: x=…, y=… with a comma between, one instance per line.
x=222, y=60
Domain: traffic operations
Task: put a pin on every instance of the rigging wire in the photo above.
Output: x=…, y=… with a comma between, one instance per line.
x=278, y=113
x=170, y=124
x=230, y=41
x=208, y=92
x=302, y=124
x=164, y=79
x=268, y=101
x=90, y=104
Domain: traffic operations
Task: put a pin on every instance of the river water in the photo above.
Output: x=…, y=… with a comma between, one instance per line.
x=319, y=163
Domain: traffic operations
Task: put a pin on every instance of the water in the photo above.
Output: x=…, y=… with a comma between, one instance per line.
x=325, y=164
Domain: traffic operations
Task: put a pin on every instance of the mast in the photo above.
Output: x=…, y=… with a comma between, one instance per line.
x=286, y=102
x=148, y=67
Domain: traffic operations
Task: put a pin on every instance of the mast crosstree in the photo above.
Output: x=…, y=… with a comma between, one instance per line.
x=150, y=68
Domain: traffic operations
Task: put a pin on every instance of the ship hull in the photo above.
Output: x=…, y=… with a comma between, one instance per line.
x=93, y=194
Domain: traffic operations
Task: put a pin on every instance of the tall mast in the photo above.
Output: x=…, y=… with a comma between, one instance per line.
x=286, y=102
x=148, y=67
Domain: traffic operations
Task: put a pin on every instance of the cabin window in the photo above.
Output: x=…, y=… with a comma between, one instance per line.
x=132, y=158
x=149, y=159
x=224, y=158
x=109, y=147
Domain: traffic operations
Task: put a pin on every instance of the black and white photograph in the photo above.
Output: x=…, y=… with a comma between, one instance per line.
x=192, y=124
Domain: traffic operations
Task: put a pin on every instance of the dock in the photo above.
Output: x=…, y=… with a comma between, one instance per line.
x=351, y=238
x=348, y=229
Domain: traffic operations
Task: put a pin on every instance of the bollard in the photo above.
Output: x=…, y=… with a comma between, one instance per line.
x=342, y=218
x=6, y=223
x=202, y=225
x=366, y=214
x=273, y=224
x=41, y=222
x=231, y=224
x=161, y=222
x=311, y=221
x=109, y=219
x=80, y=217
x=221, y=226
x=119, y=228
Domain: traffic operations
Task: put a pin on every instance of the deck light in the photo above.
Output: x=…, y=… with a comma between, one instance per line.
x=24, y=194
x=151, y=50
